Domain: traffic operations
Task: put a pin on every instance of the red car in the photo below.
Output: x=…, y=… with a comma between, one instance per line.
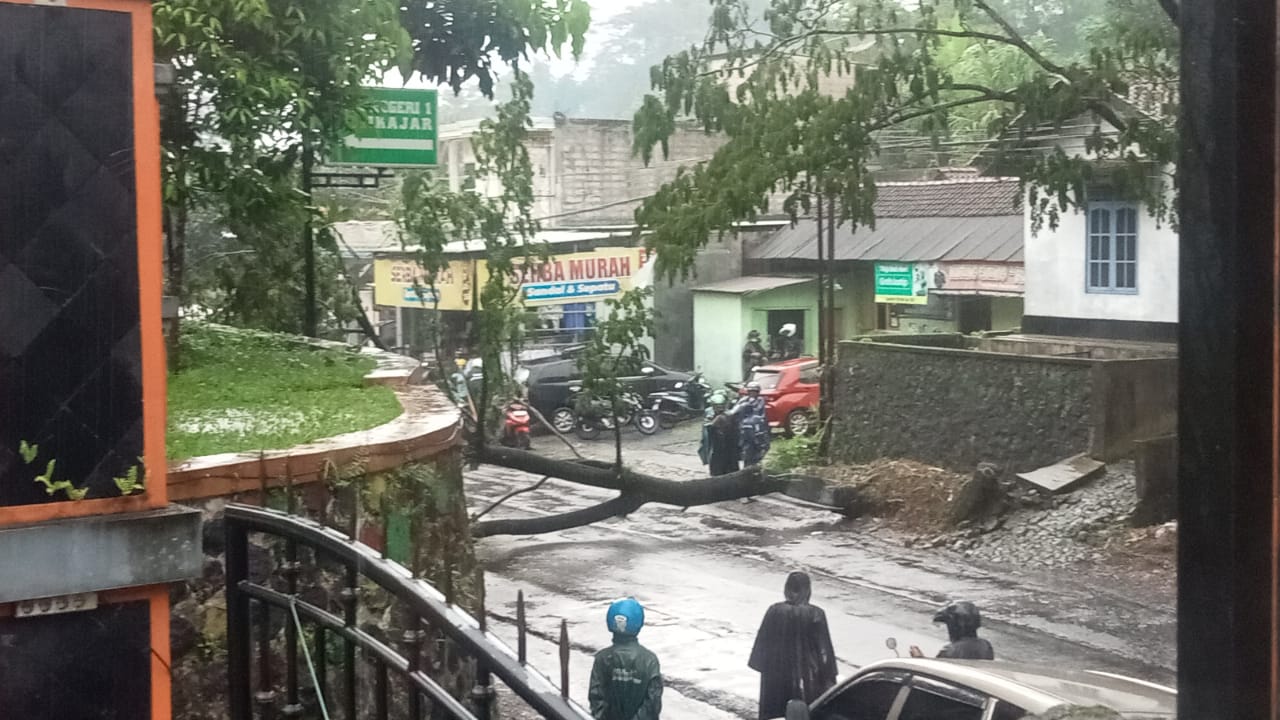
x=790, y=390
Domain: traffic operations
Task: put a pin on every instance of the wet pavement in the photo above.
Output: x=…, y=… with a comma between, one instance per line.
x=707, y=574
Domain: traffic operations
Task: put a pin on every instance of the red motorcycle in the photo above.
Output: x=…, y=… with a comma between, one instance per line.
x=515, y=426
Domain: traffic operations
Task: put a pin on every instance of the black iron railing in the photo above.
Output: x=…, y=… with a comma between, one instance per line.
x=315, y=638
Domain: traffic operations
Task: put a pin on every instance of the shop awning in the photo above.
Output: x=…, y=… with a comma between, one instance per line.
x=749, y=284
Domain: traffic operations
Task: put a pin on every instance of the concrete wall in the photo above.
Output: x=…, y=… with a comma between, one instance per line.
x=1134, y=400
x=720, y=331
x=592, y=165
x=925, y=398
x=674, y=341
x=1006, y=313
x=1055, y=265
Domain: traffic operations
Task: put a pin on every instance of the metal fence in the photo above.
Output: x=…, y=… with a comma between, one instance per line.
x=335, y=666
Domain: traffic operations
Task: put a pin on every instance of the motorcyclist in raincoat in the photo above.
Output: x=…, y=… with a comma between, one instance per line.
x=626, y=682
x=962, y=620
x=753, y=427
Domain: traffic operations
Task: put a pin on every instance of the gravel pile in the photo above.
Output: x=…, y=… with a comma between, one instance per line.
x=1086, y=525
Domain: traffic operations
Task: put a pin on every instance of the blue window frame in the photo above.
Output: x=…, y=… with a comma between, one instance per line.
x=1112, y=265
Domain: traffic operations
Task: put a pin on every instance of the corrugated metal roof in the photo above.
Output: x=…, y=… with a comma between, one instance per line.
x=751, y=283
x=920, y=239
x=973, y=219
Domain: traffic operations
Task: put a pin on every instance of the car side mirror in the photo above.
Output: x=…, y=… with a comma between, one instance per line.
x=797, y=710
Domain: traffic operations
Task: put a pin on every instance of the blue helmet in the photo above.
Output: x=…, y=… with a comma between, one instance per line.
x=626, y=617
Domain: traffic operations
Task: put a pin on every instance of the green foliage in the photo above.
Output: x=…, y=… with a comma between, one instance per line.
x=51, y=486
x=243, y=390
x=923, y=69
x=502, y=223
x=131, y=481
x=28, y=452
x=794, y=453
x=616, y=349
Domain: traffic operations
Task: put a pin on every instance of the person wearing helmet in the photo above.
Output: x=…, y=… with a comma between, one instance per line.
x=962, y=620
x=793, y=651
x=720, y=438
x=626, y=681
x=753, y=354
x=753, y=427
x=786, y=346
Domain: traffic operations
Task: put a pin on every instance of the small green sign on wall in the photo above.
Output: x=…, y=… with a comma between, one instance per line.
x=401, y=132
x=901, y=283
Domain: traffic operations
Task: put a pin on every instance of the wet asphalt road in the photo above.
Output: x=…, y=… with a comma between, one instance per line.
x=707, y=574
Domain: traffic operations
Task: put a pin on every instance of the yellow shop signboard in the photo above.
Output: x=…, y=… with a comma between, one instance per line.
x=401, y=282
x=570, y=278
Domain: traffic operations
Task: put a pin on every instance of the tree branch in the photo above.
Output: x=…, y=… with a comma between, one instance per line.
x=508, y=496
x=624, y=504
x=686, y=493
x=1016, y=39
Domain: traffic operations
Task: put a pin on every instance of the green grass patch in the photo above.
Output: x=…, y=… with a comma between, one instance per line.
x=239, y=390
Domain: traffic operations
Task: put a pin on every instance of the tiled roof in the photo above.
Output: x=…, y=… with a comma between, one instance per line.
x=977, y=197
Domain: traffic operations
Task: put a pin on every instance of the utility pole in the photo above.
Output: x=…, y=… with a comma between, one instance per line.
x=822, y=277
x=310, y=319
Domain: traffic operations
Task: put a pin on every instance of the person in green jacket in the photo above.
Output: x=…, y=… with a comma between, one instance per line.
x=626, y=682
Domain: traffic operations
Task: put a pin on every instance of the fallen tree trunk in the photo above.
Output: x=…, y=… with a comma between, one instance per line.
x=622, y=505
x=636, y=490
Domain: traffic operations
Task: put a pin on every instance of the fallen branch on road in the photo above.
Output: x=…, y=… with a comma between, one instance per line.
x=508, y=496
x=624, y=504
x=636, y=489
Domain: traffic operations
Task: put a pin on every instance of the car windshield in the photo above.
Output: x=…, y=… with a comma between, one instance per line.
x=768, y=379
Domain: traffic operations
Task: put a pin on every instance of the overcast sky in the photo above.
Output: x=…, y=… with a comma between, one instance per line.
x=597, y=37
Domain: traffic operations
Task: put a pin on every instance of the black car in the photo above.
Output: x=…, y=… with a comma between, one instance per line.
x=552, y=381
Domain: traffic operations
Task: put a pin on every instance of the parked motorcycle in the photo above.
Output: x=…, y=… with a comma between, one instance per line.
x=594, y=416
x=687, y=400
x=515, y=425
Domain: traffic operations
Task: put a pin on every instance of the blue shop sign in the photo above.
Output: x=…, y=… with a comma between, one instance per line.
x=425, y=296
x=557, y=291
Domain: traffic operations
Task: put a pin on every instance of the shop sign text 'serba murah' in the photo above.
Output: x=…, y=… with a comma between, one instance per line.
x=591, y=276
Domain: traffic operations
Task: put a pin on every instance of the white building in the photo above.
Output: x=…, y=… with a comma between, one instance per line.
x=1109, y=269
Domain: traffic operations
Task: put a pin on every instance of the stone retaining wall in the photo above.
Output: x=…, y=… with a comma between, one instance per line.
x=955, y=408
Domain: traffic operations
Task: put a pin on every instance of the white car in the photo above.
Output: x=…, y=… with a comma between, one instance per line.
x=936, y=689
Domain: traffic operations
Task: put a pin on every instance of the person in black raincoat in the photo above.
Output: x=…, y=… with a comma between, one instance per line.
x=962, y=620
x=753, y=354
x=721, y=439
x=793, y=651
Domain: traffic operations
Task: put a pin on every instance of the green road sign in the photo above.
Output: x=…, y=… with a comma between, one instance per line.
x=401, y=131
x=901, y=283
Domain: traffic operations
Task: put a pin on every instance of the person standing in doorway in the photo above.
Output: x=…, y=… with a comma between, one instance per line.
x=753, y=354
x=786, y=346
x=626, y=680
x=793, y=651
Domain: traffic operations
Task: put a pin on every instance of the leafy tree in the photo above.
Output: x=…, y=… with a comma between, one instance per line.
x=937, y=66
x=617, y=348
x=786, y=135
x=266, y=87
